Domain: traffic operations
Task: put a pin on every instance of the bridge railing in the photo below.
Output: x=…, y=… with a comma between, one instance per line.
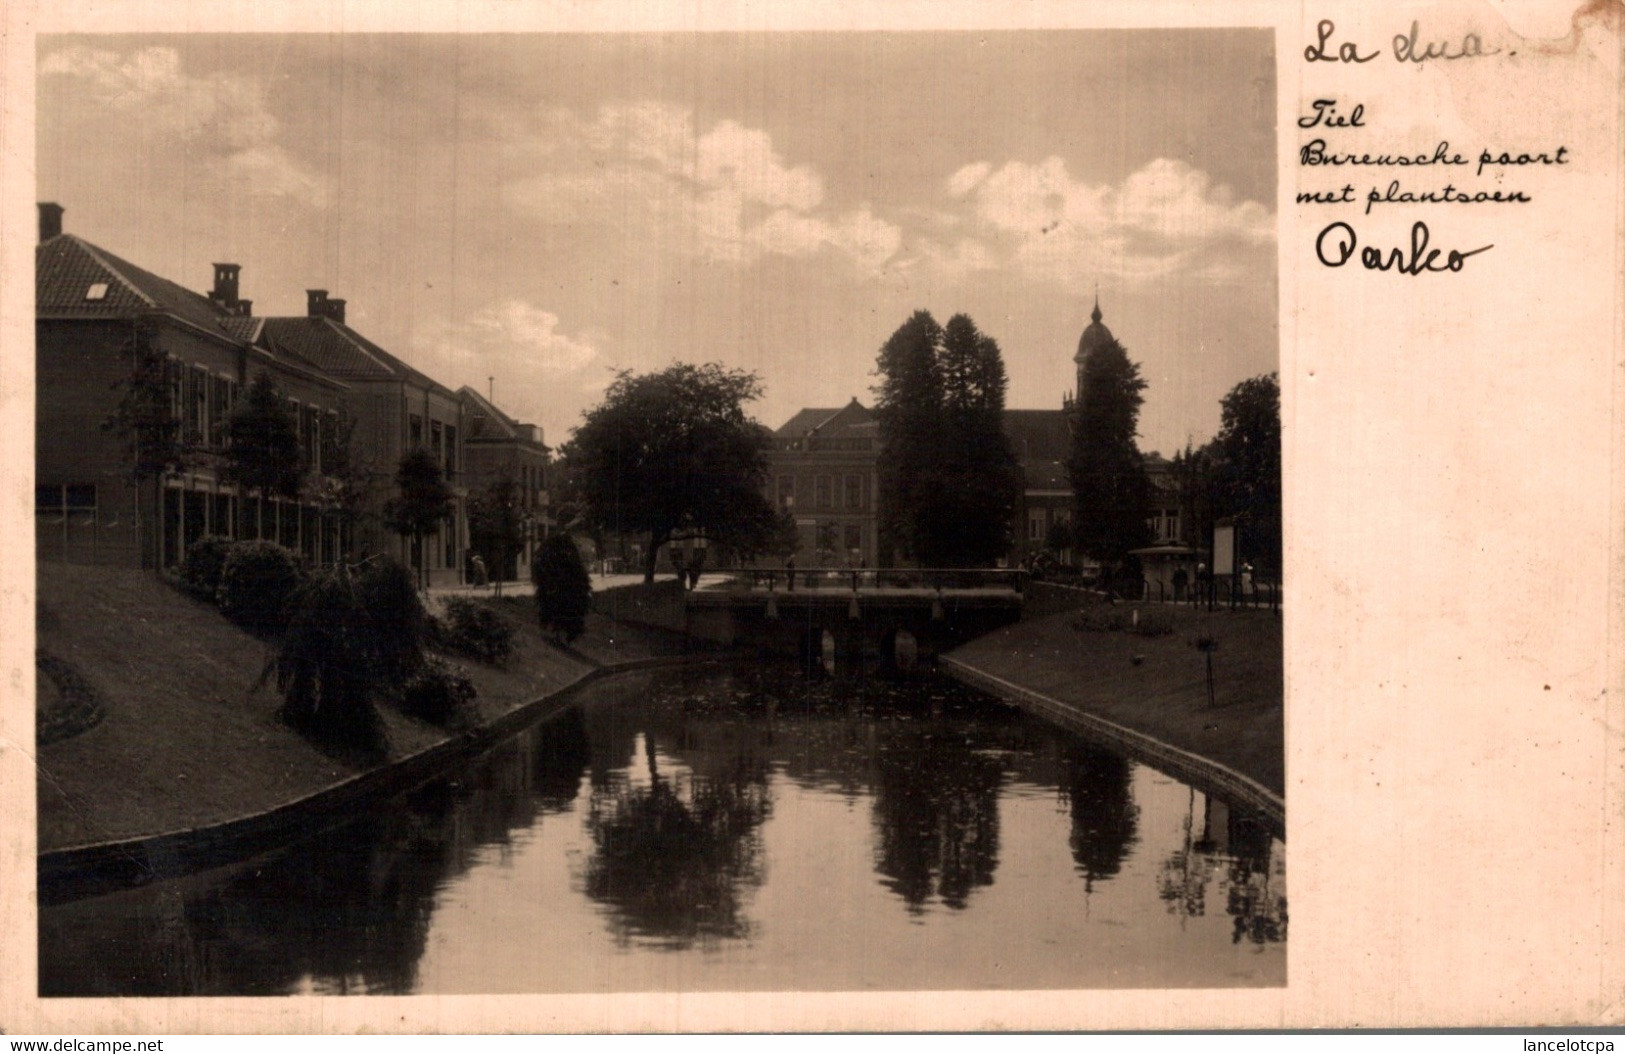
x=866, y=579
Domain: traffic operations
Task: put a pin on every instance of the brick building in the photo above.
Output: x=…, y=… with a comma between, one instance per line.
x=396, y=409
x=88, y=509
x=495, y=446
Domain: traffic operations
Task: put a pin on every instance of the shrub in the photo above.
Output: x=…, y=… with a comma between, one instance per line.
x=440, y=693
x=204, y=563
x=256, y=582
x=327, y=666
x=475, y=630
x=394, y=617
x=563, y=590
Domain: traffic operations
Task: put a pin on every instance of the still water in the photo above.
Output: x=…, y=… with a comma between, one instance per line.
x=746, y=829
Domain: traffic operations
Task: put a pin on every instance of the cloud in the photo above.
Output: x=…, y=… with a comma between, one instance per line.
x=1165, y=219
x=645, y=170
x=519, y=335
x=223, y=117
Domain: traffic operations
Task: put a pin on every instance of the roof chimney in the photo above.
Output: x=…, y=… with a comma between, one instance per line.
x=225, y=285
x=335, y=309
x=245, y=308
x=50, y=220
x=316, y=300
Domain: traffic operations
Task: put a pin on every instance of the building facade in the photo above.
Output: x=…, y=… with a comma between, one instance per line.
x=496, y=447
x=93, y=310
x=396, y=409
x=822, y=470
x=357, y=408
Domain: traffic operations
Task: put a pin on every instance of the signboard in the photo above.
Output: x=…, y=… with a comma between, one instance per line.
x=1224, y=549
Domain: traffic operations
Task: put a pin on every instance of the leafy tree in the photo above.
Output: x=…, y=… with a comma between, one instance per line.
x=1109, y=483
x=341, y=492
x=262, y=445
x=496, y=524
x=145, y=417
x=563, y=590
x=1193, y=475
x=674, y=450
x=1247, y=476
x=786, y=536
x=908, y=409
x=422, y=501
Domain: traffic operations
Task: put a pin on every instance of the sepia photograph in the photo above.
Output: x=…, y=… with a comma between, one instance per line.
x=545, y=513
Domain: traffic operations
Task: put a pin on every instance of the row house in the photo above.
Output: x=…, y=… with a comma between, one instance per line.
x=396, y=409
x=90, y=307
x=497, y=448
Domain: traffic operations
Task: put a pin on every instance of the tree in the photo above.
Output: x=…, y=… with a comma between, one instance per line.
x=145, y=417
x=949, y=482
x=421, y=503
x=977, y=479
x=496, y=524
x=673, y=451
x=1193, y=475
x=908, y=409
x=341, y=492
x=563, y=590
x=1109, y=483
x=262, y=446
x=1247, y=473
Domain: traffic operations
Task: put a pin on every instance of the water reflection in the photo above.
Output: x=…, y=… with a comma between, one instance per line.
x=1105, y=820
x=802, y=834
x=936, y=815
x=674, y=857
x=1234, y=852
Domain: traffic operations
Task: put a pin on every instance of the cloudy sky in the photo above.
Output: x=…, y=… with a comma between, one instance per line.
x=543, y=210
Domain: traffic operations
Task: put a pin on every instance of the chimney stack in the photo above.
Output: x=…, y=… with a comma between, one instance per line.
x=50, y=220
x=245, y=308
x=225, y=285
x=335, y=309
x=316, y=301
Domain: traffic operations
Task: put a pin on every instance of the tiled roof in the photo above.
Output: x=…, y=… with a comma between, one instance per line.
x=335, y=348
x=853, y=419
x=66, y=267
x=487, y=421
x=1038, y=435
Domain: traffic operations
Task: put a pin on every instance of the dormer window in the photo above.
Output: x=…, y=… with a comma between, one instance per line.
x=97, y=291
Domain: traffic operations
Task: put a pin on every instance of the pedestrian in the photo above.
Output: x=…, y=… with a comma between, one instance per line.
x=790, y=573
x=1181, y=579
x=479, y=575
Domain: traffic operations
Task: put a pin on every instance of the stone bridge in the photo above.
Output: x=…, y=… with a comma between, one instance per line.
x=846, y=617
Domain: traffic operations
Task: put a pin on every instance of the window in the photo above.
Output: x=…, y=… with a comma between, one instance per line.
x=97, y=291
x=787, y=492
x=54, y=499
x=1035, y=525
x=854, y=536
x=437, y=441
x=195, y=398
x=414, y=432
x=822, y=492
x=451, y=450
x=854, y=492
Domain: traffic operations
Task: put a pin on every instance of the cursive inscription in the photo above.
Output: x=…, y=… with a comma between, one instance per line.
x=1408, y=47
x=1326, y=114
x=1346, y=52
x=1337, y=243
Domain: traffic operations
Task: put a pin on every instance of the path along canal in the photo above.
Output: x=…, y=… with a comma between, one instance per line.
x=741, y=828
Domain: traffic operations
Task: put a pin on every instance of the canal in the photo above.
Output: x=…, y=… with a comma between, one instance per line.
x=749, y=828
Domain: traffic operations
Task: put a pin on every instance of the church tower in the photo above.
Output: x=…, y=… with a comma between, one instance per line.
x=1095, y=336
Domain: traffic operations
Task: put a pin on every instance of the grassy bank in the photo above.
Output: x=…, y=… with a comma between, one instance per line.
x=186, y=738
x=1095, y=660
